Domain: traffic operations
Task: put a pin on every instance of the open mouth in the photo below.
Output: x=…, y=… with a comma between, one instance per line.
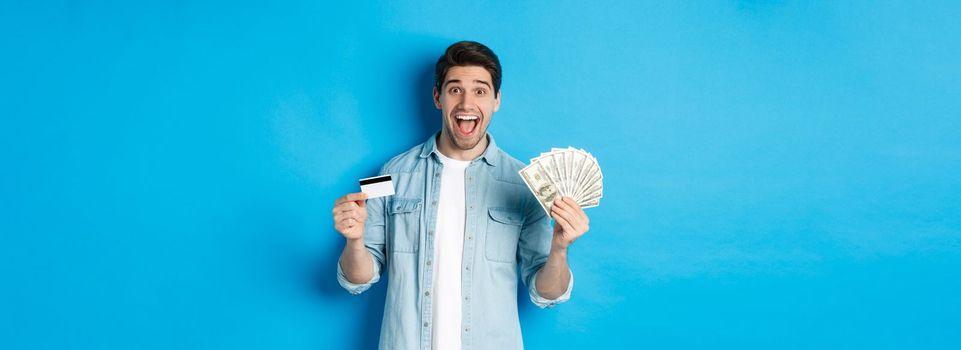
x=466, y=123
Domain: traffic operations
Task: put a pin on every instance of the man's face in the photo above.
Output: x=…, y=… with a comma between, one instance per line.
x=467, y=102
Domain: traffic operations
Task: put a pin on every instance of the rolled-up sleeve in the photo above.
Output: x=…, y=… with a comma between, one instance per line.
x=355, y=288
x=374, y=241
x=543, y=302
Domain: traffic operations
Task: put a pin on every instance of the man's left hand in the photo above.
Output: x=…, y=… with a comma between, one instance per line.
x=570, y=222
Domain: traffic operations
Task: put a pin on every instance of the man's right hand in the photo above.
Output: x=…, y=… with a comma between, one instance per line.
x=350, y=213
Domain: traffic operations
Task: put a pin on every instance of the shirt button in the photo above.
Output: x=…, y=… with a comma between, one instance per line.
x=427, y=293
x=467, y=329
x=425, y=324
x=466, y=298
x=468, y=268
x=428, y=262
x=435, y=202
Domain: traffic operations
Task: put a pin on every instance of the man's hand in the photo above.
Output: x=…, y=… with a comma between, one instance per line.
x=570, y=222
x=350, y=213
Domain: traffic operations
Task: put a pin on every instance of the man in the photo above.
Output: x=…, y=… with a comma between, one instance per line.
x=461, y=221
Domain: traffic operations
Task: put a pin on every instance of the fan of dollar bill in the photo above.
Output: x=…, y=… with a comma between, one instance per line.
x=565, y=172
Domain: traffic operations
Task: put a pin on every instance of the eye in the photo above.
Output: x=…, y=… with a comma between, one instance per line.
x=481, y=91
x=455, y=90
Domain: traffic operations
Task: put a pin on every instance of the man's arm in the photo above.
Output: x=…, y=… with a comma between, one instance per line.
x=356, y=262
x=571, y=223
x=555, y=276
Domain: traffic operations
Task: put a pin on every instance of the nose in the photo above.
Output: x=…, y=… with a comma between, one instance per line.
x=467, y=101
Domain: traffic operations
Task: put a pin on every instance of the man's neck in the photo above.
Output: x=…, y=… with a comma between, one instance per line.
x=445, y=147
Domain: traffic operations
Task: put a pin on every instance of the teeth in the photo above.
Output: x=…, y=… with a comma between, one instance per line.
x=466, y=117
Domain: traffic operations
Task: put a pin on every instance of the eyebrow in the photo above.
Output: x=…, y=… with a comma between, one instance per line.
x=475, y=80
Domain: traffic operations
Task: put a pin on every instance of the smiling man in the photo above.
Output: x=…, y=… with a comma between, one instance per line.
x=460, y=224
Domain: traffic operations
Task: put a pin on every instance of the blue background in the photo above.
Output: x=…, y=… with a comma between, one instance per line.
x=779, y=174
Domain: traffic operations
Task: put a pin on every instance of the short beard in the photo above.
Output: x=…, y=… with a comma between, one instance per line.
x=455, y=142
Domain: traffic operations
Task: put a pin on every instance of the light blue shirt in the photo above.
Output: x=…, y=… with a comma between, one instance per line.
x=506, y=233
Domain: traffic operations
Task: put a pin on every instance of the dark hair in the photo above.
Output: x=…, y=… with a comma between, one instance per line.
x=468, y=53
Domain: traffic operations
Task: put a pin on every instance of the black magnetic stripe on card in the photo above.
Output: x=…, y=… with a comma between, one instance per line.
x=374, y=180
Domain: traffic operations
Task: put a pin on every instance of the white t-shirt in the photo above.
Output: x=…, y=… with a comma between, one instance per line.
x=448, y=253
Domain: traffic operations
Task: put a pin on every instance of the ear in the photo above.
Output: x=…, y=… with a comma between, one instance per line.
x=436, y=98
x=497, y=101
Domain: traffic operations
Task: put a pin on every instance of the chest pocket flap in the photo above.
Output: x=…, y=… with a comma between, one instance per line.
x=503, y=231
x=506, y=216
x=404, y=221
x=403, y=205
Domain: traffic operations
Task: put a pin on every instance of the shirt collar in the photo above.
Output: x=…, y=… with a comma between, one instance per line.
x=489, y=156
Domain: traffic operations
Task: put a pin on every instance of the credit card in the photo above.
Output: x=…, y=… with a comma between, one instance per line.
x=377, y=186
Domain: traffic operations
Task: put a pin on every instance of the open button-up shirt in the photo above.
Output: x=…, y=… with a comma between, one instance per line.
x=506, y=233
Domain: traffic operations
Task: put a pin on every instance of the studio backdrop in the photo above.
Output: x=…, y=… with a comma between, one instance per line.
x=778, y=174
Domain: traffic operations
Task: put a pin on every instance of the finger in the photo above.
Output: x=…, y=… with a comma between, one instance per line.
x=564, y=223
x=575, y=209
x=350, y=205
x=347, y=216
x=565, y=212
x=560, y=206
x=342, y=209
x=352, y=197
x=557, y=204
x=576, y=221
x=345, y=224
x=345, y=207
x=572, y=203
x=347, y=212
x=559, y=210
x=568, y=205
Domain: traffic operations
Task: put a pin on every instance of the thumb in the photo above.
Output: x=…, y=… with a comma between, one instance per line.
x=363, y=201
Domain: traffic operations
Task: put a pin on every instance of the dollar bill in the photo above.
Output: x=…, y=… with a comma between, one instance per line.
x=567, y=172
x=539, y=182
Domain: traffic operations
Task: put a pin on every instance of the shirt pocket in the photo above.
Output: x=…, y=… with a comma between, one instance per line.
x=503, y=231
x=404, y=219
